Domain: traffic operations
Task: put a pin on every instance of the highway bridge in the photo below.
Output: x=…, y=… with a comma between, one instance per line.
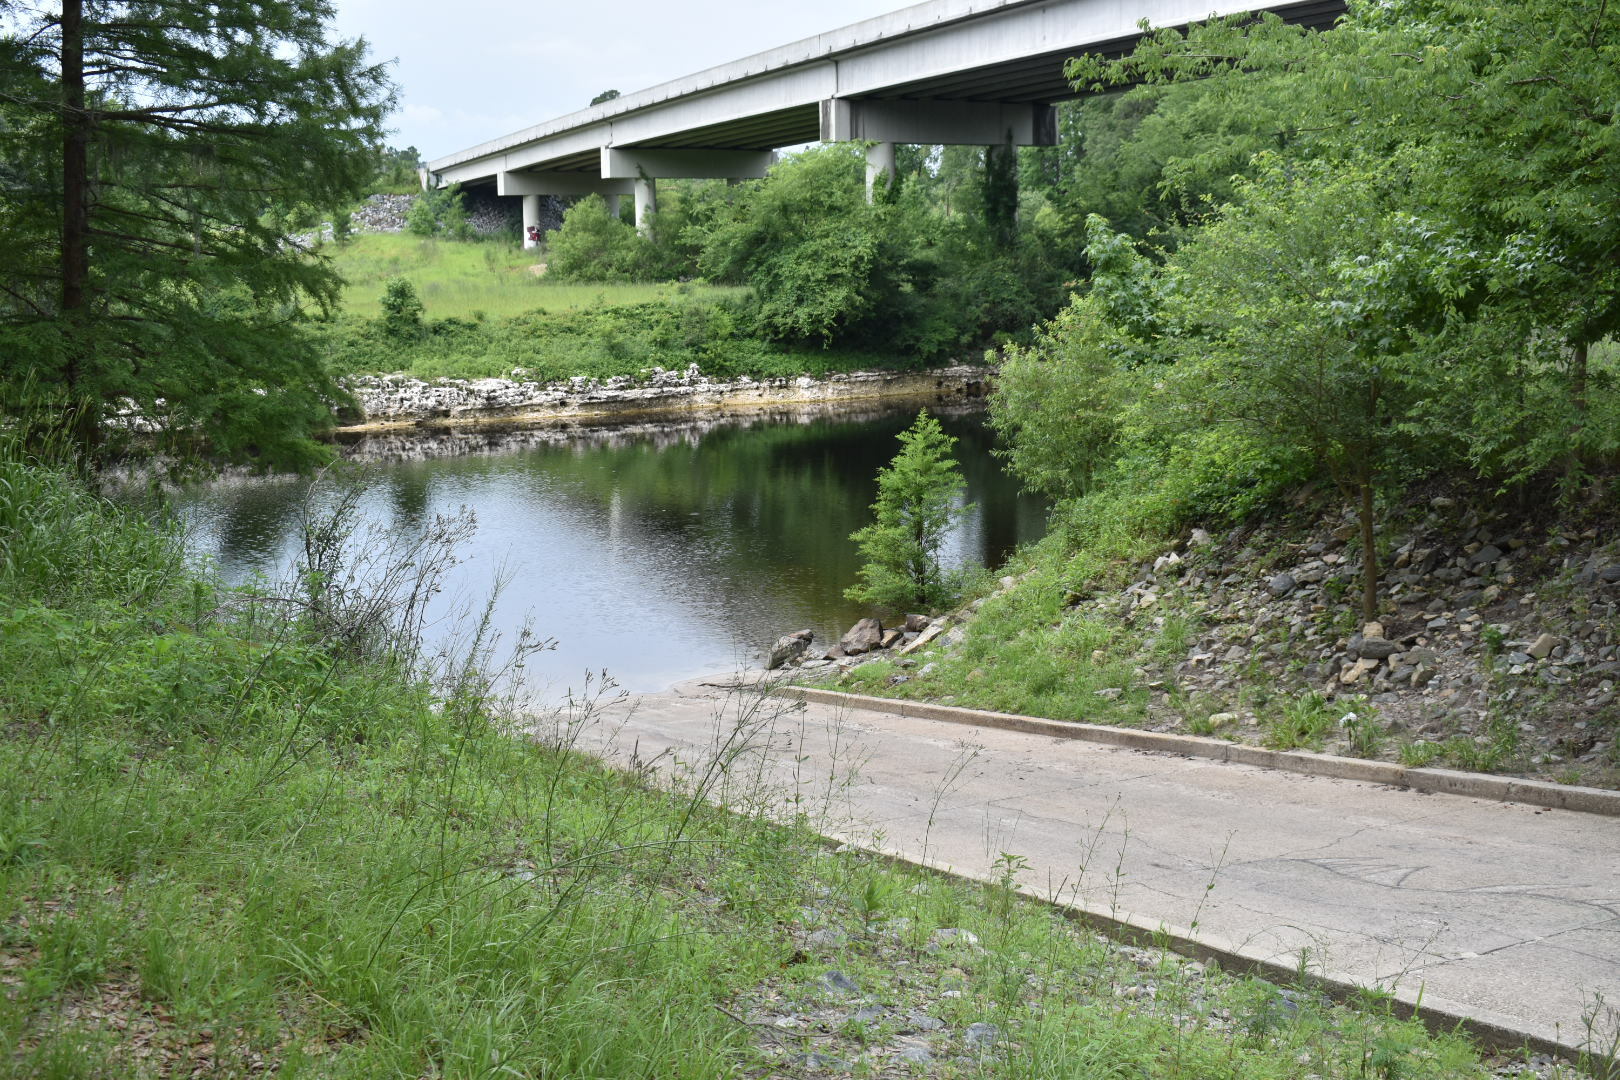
x=962, y=72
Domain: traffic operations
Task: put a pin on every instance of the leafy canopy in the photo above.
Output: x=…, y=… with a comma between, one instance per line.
x=149, y=148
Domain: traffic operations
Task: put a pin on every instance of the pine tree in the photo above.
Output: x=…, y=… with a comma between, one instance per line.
x=916, y=505
x=150, y=148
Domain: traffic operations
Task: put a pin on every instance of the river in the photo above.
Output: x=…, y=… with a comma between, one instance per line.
x=656, y=552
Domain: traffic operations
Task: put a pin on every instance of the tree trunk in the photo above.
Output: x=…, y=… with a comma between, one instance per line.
x=1369, y=554
x=82, y=420
x=1578, y=367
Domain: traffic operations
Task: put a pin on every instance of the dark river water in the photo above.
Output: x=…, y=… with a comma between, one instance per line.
x=655, y=552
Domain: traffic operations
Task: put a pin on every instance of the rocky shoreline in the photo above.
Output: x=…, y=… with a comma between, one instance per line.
x=399, y=401
x=399, y=443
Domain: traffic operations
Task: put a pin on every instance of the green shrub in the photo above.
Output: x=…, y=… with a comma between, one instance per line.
x=402, y=309
x=593, y=245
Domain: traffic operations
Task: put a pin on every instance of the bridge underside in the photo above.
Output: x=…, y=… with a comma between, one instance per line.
x=727, y=125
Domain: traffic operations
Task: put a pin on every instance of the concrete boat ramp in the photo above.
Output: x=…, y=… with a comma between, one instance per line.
x=1501, y=915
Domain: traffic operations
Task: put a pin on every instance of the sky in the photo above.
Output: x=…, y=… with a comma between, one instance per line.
x=472, y=70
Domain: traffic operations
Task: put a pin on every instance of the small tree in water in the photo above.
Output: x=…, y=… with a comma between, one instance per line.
x=916, y=504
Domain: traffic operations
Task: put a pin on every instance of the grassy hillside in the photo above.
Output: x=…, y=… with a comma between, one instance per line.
x=462, y=279
x=245, y=836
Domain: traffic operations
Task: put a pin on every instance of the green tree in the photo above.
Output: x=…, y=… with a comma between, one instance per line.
x=1057, y=401
x=149, y=146
x=440, y=212
x=593, y=245
x=1507, y=110
x=916, y=504
x=343, y=227
x=1313, y=313
x=402, y=309
x=822, y=261
x=1518, y=103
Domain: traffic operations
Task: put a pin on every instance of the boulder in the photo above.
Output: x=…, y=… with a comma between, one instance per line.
x=891, y=638
x=1376, y=648
x=1543, y=646
x=788, y=648
x=916, y=624
x=923, y=639
x=863, y=637
x=1282, y=585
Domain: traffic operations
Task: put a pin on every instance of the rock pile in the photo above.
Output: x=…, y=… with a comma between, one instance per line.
x=1497, y=645
x=1484, y=622
x=488, y=214
x=867, y=640
x=382, y=213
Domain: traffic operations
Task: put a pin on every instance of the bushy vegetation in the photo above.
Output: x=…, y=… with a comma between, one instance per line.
x=1325, y=266
x=1370, y=300
x=593, y=245
x=822, y=266
x=439, y=212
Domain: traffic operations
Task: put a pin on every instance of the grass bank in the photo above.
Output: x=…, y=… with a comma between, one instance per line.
x=479, y=279
x=244, y=834
x=486, y=314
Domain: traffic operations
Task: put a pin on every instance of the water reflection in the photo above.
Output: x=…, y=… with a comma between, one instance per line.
x=656, y=552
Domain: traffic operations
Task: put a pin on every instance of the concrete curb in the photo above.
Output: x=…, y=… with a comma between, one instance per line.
x=1437, y=1014
x=1474, y=785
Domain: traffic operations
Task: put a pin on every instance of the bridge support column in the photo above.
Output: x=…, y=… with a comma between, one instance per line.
x=879, y=162
x=1001, y=192
x=613, y=207
x=531, y=221
x=646, y=205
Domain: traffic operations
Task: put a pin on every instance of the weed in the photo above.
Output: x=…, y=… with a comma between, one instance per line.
x=1305, y=722
x=1362, y=730
x=1420, y=753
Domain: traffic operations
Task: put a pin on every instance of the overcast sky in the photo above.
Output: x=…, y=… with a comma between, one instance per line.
x=471, y=70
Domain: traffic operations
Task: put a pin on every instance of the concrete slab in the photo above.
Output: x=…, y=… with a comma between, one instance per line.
x=1507, y=916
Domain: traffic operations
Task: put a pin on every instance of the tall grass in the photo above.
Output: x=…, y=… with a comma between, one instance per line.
x=223, y=840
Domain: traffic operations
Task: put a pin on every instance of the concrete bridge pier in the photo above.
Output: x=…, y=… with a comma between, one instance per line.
x=613, y=206
x=531, y=221
x=879, y=162
x=645, y=166
x=646, y=205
